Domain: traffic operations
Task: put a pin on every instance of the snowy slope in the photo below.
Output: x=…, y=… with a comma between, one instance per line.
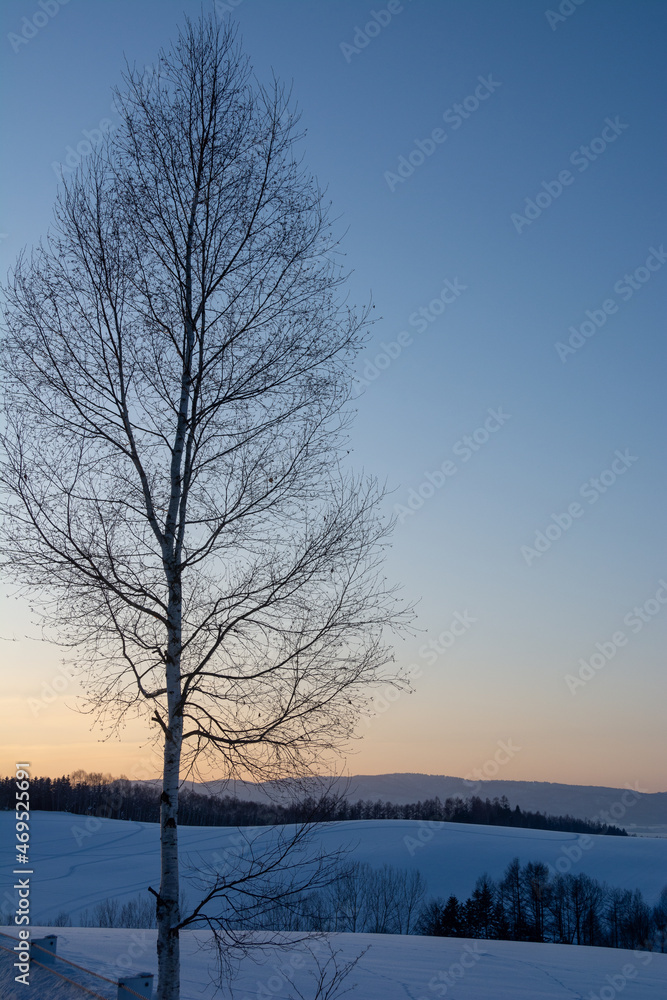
x=394, y=968
x=79, y=861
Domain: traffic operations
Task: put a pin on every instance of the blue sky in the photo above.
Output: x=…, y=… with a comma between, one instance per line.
x=595, y=80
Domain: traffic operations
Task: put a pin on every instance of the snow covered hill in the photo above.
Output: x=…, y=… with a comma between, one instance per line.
x=80, y=861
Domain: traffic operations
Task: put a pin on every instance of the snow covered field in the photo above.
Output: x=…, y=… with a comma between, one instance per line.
x=394, y=968
x=79, y=861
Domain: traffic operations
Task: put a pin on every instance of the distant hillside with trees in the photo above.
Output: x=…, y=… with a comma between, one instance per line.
x=119, y=798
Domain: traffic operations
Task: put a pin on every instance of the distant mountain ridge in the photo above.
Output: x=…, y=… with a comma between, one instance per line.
x=637, y=811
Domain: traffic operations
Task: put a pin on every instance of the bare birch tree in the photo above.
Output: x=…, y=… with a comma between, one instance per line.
x=177, y=361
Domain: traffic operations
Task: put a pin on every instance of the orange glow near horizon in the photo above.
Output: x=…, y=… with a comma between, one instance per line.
x=66, y=745
x=420, y=734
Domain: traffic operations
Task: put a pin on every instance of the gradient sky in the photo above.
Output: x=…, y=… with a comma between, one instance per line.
x=516, y=287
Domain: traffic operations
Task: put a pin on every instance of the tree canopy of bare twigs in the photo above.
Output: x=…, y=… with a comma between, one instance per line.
x=177, y=364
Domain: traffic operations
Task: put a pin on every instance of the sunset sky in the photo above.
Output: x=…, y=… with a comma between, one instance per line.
x=499, y=171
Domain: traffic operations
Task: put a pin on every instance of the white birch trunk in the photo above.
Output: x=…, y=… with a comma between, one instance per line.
x=169, y=965
x=169, y=968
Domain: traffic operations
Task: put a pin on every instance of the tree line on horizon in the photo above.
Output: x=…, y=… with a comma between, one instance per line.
x=119, y=798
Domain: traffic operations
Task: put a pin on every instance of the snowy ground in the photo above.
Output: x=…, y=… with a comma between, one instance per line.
x=79, y=861
x=394, y=968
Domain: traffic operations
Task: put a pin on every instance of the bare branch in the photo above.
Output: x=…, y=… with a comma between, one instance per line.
x=175, y=488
